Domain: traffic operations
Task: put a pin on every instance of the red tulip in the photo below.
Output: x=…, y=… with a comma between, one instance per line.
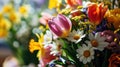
x=96, y=12
x=60, y=25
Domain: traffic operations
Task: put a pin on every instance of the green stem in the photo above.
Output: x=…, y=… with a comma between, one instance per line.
x=105, y=59
x=113, y=3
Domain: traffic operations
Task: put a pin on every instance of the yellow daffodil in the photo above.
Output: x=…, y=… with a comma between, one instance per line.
x=7, y=8
x=14, y=17
x=24, y=10
x=37, y=46
x=44, y=51
x=4, y=27
x=54, y=4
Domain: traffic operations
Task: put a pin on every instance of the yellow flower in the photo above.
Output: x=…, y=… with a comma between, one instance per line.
x=54, y=4
x=42, y=28
x=3, y=33
x=4, y=27
x=113, y=16
x=37, y=46
x=1, y=15
x=34, y=46
x=5, y=24
x=14, y=17
x=7, y=8
x=24, y=10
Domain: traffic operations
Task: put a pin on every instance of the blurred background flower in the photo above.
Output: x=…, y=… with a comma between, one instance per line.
x=18, y=21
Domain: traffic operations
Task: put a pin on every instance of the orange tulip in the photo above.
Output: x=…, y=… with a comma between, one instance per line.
x=113, y=16
x=96, y=12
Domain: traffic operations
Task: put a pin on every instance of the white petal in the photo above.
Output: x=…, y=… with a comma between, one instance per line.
x=91, y=37
x=97, y=35
x=84, y=46
x=92, y=57
x=78, y=40
x=84, y=61
x=81, y=58
x=101, y=39
x=101, y=49
x=89, y=59
x=91, y=51
x=103, y=43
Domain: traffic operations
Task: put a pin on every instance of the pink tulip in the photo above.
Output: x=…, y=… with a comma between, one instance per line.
x=60, y=25
x=73, y=3
x=45, y=17
x=79, y=2
x=96, y=12
x=47, y=57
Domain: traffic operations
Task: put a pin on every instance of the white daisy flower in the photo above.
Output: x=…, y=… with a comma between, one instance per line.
x=47, y=37
x=97, y=41
x=85, y=53
x=56, y=47
x=75, y=36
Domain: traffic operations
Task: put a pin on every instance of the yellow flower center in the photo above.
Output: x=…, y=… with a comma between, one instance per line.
x=7, y=8
x=13, y=17
x=86, y=53
x=23, y=10
x=59, y=47
x=94, y=43
x=76, y=37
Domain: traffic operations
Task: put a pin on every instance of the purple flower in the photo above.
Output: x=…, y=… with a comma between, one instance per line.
x=109, y=35
x=113, y=40
x=38, y=3
x=102, y=26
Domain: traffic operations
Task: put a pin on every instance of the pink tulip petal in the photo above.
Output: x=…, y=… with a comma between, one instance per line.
x=79, y=2
x=57, y=22
x=55, y=28
x=47, y=57
x=43, y=21
x=60, y=25
x=66, y=23
x=45, y=17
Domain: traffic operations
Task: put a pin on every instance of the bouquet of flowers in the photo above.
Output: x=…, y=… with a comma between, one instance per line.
x=79, y=36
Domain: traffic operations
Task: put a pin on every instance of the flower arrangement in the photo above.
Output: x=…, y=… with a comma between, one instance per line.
x=79, y=36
